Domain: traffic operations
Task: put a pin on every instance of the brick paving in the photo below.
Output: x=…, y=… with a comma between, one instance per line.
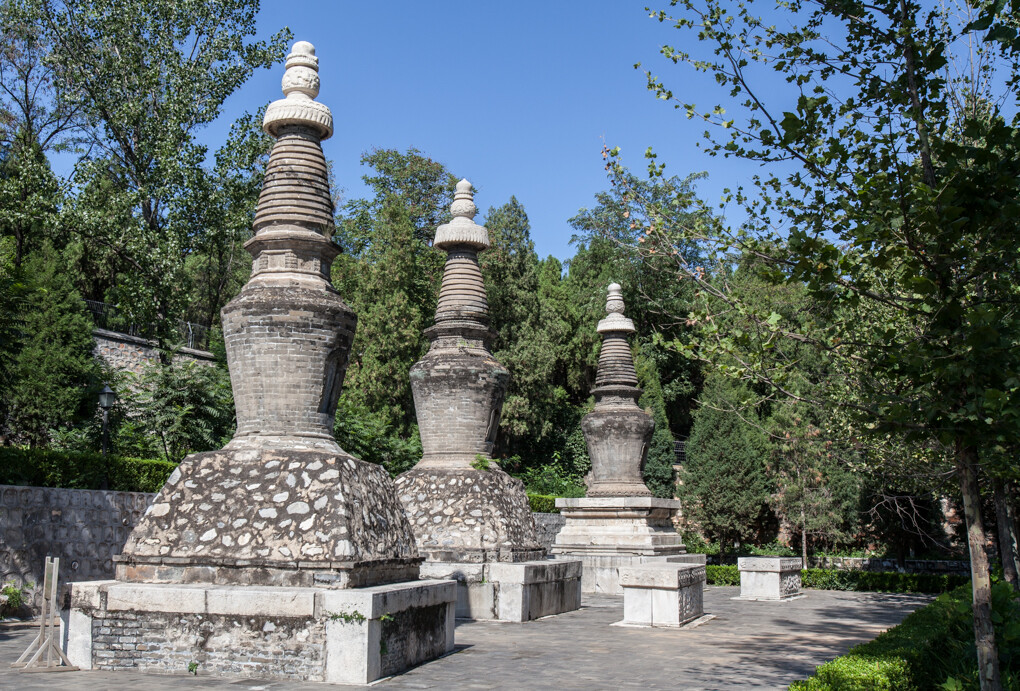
x=759, y=645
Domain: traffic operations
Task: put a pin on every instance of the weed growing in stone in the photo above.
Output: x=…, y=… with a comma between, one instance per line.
x=193, y=667
x=354, y=617
x=481, y=462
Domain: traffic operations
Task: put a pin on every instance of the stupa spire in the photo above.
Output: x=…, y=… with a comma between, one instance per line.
x=616, y=365
x=617, y=431
x=462, y=295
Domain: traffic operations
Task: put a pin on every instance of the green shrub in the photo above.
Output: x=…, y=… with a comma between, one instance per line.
x=542, y=503
x=722, y=575
x=932, y=648
x=880, y=581
x=15, y=595
x=861, y=581
x=73, y=470
x=852, y=673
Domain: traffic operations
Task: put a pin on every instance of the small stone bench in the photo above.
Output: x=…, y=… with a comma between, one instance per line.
x=769, y=578
x=662, y=594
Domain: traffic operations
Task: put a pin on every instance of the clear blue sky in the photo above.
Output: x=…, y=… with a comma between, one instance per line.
x=515, y=96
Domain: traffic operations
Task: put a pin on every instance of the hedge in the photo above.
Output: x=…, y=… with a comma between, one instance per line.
x=542, y=503
x=860, y=581
x=931, y=646
x=71, y=470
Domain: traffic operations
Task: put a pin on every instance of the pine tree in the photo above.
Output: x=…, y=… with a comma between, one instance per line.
x=725, y=487
x=55, y=377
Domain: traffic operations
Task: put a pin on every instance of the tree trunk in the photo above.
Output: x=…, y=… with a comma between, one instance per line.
x=803, y=538
x=981, y=583
x=1007, y=533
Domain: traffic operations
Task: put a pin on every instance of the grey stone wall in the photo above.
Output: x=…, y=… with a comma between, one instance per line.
x=168, y=643
x=85, y=528
x=546, y=527
x=131, y=353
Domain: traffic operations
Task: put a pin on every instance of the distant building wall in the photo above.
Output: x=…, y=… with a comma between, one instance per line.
x=131, y=353
x=85, y=528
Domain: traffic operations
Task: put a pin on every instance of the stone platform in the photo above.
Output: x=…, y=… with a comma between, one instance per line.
x=511, y=591
x=607, y=533
x=763, y=645
x=340, y=636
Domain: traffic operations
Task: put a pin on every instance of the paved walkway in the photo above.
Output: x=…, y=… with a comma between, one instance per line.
x=760, y=645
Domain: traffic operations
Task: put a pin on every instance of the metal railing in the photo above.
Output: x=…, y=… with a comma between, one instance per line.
x=680, y=451
x=111, y=318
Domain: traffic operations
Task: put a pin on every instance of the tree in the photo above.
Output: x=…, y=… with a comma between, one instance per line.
x=522, y=344
x=724, y=486
x=888, y=203
x=147, y=76
x=174, y=409
x=55, y=379
x=816, y=491
x=389, y=336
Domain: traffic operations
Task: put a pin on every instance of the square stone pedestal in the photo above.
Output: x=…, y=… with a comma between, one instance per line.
x=340, y=636
x=769, y=578
x=607, y=533
x=662, y=594
x=511, y=591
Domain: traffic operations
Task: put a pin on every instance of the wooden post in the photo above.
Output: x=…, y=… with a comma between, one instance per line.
x=44, y=654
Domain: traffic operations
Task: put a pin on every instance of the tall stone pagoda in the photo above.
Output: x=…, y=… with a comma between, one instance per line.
x=470, y=519
x=246, y=551
x=618, y=522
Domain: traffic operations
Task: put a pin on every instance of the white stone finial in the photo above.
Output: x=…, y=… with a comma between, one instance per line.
x=463, y=202
x=300, y=85
x=614, y=299
x=462, y=230
x=615, y=321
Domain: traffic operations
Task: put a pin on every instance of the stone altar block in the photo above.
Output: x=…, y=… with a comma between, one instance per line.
x=662, y=594
x=607, y=533
x=769, y=578
x=280, y=556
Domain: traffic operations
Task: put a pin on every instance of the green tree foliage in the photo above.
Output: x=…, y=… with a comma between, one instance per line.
x=54, y=379
x=147, y=76
x=724, y=485
x=174, y=409
x=891, y=194
x=522, y=344
x=390, y=323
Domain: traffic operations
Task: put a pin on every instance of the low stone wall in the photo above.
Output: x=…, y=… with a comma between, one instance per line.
x=131, y=353
x=84, y=528
x=546, y=527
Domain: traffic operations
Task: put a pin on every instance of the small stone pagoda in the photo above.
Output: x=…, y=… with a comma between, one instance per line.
x=247, y=553
x=470, y=519
x=618, y=522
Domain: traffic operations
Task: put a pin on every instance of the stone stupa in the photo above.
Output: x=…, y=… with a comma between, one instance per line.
x=618, y=522
x=471, y=520
x=281, y=555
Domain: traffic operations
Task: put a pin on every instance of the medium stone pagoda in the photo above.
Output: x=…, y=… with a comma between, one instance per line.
x=618, y=522
x=470, y=519
x=281, y=555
